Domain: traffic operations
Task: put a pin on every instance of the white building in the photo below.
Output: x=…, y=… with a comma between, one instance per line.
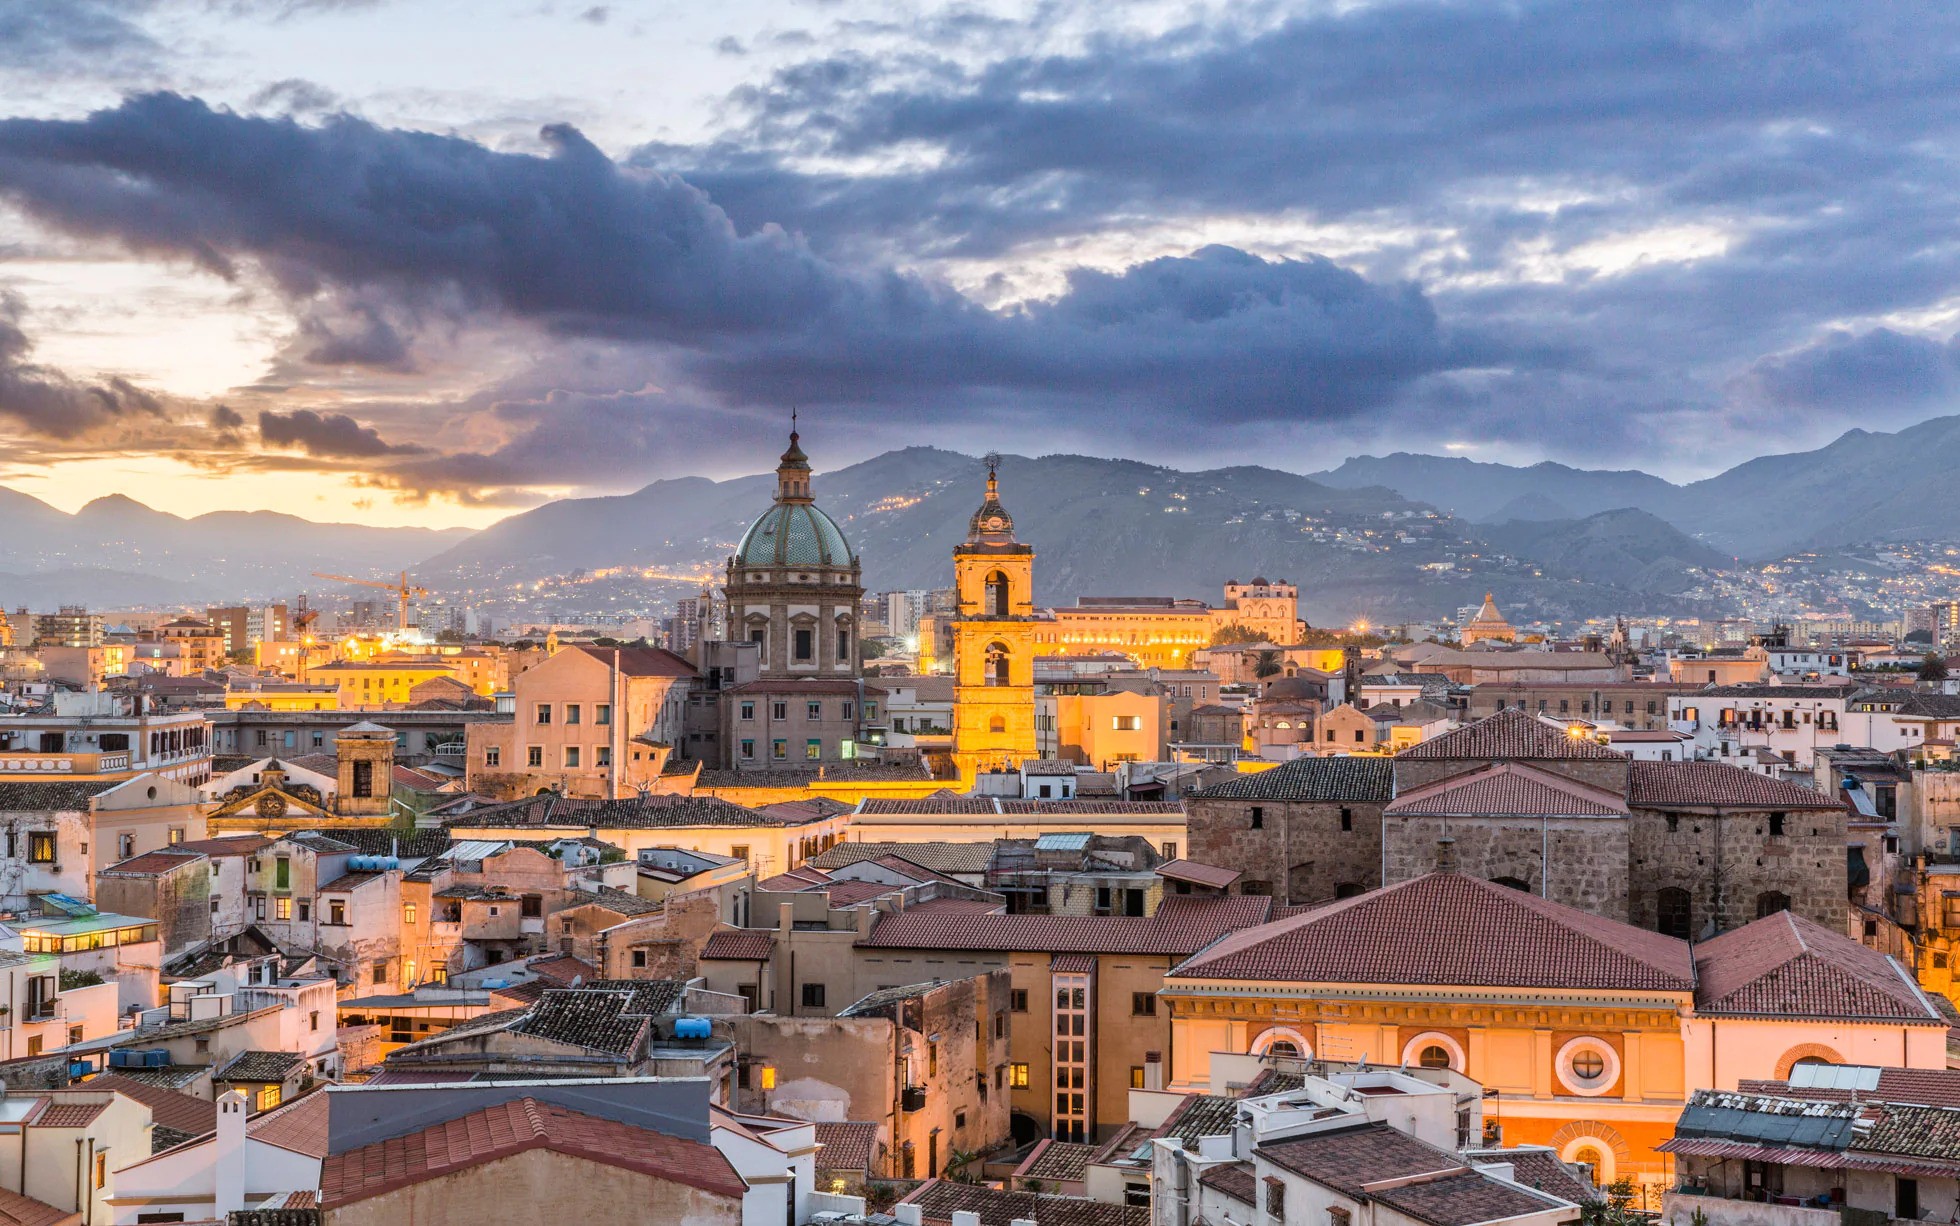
x=1731, y=721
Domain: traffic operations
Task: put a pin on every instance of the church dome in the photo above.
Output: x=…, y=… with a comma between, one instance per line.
x=794, y=534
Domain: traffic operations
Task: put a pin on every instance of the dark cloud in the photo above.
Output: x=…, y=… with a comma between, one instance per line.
x=73, y=35
x=49, y=404
x=363, y=338
x=332, y=436
x=294, y=95
x=574, y=244
x=1879, y=368
x=227, y=426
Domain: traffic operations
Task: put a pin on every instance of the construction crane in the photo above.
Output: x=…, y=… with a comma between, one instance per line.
x=402, y=590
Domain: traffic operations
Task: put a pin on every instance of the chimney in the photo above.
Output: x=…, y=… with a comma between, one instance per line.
x=1022, y=1221
x=786, y=918
x=228, y=1164
x=1446, y=854
x=965, y=1217
x=909, y=1215
x=1153, y=1070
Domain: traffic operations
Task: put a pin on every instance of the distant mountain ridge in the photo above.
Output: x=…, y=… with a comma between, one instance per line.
x=116, y=551
x=1862, y=486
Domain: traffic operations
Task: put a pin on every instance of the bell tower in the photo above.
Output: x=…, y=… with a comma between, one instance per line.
x=993, y=641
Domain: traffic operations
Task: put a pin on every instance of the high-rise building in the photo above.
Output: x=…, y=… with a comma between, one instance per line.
x=71, y=626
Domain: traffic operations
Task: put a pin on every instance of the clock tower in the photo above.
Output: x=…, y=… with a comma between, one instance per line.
x=993, y=641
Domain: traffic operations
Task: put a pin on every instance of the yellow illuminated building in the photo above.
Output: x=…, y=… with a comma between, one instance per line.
x=994, y=637
x=370, y=684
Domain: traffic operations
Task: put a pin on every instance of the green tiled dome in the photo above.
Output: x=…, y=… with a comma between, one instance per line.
x=794, y=534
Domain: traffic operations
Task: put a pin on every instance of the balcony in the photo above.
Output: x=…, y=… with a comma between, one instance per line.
x=1683, y=1206
x=13, y=762
x=913, y=1098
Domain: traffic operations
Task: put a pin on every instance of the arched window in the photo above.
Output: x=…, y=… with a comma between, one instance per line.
x=997, y=664
x=1433, y=1049
x=1433, y=1056
x=997, y=602
x=1512, y=883
x=1282, y=1041
x=1769, y=902
x=1677, y=913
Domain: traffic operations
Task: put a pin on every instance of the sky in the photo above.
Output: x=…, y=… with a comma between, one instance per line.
x=434, y=261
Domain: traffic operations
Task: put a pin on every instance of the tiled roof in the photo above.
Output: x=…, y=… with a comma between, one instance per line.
x=1198, y=874
x=1462, y=1200
x=562, y=970
x=1786, y=966
x=38, y=797
x=1446, y=928
x=1072, y=964
x=68, y=1115
x=1763, y=690
x=1926, y=1087
x=968, y=858
x=739, y=945
x=236, y=845
x=883, y=997
x=19, y=1210
x=1663, y=785
x=640, y=661
x=938, y=1200
x=183, y=1113
x=152, y=863
x=1361, y=780
x=850, y=893
x=1182, y=925
x=658, y=811
x=847, y=1146
x=515, y=1127
x=1506, y=789
x=1234, y=1179
x=620, y=901
x=1056, y=1161
x=1509, y=734
x=1348, y=1159
x=1199, y=1115
x=260, y=1066
x=409, y=845
x=1537, y=1167
x=351, y=881
x=1916, y=1132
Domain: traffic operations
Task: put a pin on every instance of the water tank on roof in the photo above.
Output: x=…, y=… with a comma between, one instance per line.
x=692, y=1028
x=391, y=862
x=494, y=984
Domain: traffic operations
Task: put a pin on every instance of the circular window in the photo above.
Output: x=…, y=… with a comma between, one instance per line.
x=1588, y=1066
x=1433, y=1049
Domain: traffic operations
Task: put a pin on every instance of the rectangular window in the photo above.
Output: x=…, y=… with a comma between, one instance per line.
x=40, y=846
x=364, y=779
x=336, y=912
x=639, y=959
x=1136, y=1076
x=571, y=757
x=1017, y=1076
x=1143, y=1004
x=779, y=750
x=748, y=749
x=748, y=710
x=806, y=644
x=408, y=913
x=282, y=873
x=740, y=852
x=602, y=713
x=1126, y=723
x=534, y=756
x=813, y=749
x=602, y=755
x=305, y=911
x=544, y=714
x=1017, y=999
x=814, y=710
x=572, y=713
x=843, y=644
x=850, y=710
x=493, y=757
x=779, y=710
x=813, y=996
x=1258, y=817
x=282, y=908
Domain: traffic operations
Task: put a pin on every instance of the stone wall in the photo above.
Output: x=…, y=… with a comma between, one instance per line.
x=1726, y=861
x=1304, y=851
x=1587, y=855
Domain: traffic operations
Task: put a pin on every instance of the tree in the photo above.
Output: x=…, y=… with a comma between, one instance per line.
x=1932, y=668
x=1225, y=636
x=1267, y=664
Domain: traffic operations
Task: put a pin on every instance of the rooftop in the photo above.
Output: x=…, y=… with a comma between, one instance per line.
x=1358, y=780
x=1507, y=789
x=1509, y=733
x=1182, y=926
x=1447, y=928
x=1667, y=785
x=1786, y=966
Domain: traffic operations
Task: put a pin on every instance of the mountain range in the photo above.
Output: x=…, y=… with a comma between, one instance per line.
x=1400, y=535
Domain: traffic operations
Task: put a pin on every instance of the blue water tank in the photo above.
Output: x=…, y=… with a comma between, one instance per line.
x=494, y=984
x=692, y=1028
x=391, y=862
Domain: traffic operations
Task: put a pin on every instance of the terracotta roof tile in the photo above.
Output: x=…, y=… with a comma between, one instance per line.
x=1506, y=789
x=19, y=1210
x=1182, y=925
x=938, y=1200
x=1362, y=780
x=185, y=1113
x=1057, y=1161
x=1784, y=965
x=299, y=1125
x=68, y=1115
x=1540, y=1168
x=847, y=1146
x=1509, y=734
x=260, y=1066
x=1463, y=1200
x=152, y=863
x=640, y=661
x=1349, y=1159
x=1234, y=1179
x=968, y=858
x=1663, y=785
x=515, y=1127
x=739, y=945
x=1446, y=928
